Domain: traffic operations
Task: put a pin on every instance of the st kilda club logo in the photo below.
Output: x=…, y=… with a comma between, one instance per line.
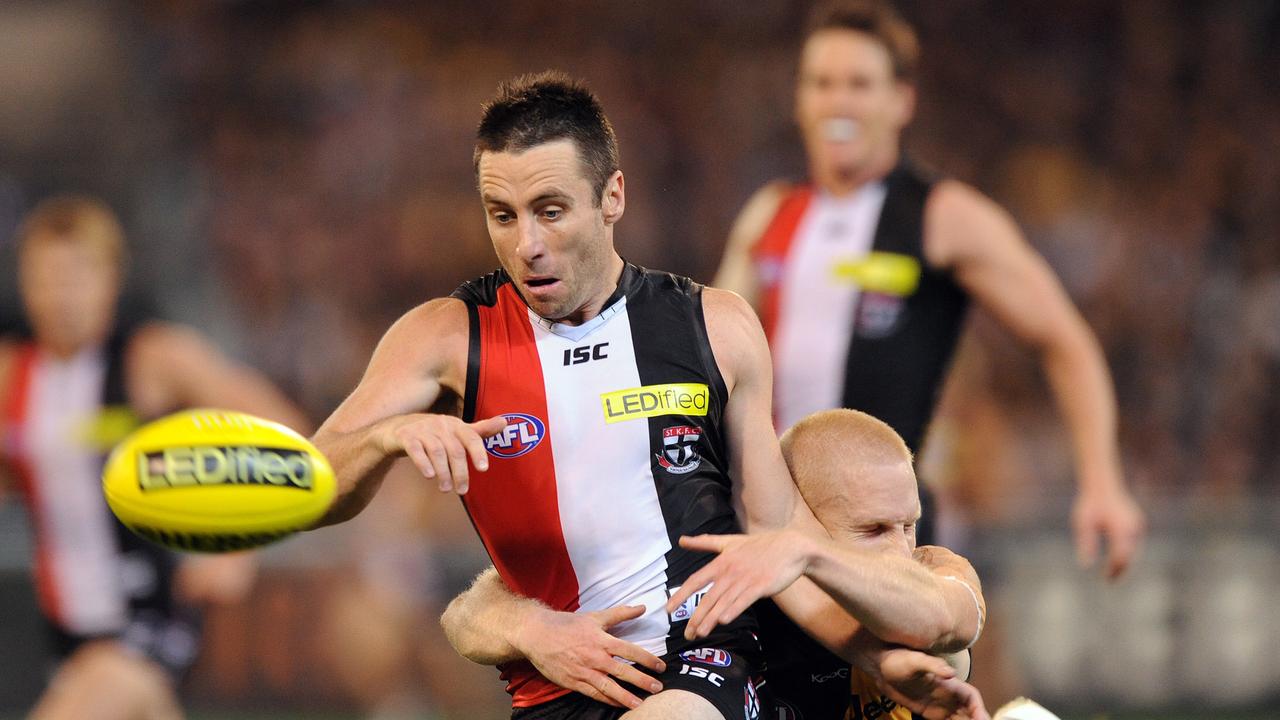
x=680, y=449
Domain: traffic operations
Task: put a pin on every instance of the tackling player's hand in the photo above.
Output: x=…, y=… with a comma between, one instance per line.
x=926, y=685
x=439, y=445
x=1113, y=514
x=749, y=567
x=573, y=651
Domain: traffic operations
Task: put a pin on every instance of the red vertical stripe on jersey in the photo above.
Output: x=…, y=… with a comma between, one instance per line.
x=770, y=254
x=15, y=416
x=514, y=504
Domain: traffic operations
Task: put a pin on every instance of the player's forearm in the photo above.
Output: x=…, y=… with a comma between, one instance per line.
x=895, y=598
x=1082, y=387
x=360, y=460
x=481, y=623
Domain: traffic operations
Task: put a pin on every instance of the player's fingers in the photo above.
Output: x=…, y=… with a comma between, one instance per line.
x=413, y=448
x=594, y=694
x=705, y=604
x=458, y=468
x=636, y=654
x=1122, y=549
x=475, y=448
x=706, y=543
x=629, y=674
x=614, y=692
x=614, y=615
x=709, y=608
x=489, y=426
x=1086, y=543
x=440, y=461
x=695, y=583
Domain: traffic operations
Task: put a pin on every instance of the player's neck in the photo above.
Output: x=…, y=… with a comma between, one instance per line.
x=593, y=307
x=840, y=181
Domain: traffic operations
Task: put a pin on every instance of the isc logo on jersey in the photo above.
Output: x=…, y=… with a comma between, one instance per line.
x=521, y=435
x=709, y=656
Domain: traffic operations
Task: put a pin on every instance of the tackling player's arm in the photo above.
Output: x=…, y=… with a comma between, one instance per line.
x=737, y=273
x=894, y=597
x=969, y=234
x=423, y=353
x=489, y=624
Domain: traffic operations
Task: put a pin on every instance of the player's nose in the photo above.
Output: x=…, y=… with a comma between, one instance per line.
x=529, y=243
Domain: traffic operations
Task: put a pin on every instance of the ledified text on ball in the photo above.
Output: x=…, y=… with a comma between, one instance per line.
x=227, y=465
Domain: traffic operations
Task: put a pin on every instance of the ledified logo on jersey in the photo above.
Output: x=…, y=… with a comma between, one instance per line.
x=680, y=449
x=521, y=435
x=654, y=400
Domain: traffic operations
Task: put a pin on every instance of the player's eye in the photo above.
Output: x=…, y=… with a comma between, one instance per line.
x=502, y=218
x=552, y=213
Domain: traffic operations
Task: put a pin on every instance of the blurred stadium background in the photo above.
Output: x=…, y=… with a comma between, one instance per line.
x=294, y=175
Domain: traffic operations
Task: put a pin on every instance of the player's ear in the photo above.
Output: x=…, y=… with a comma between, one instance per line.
x=613, y=199
x=906, y=103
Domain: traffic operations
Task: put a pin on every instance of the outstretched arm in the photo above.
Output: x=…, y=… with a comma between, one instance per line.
x=736, y=272
x=972, y=236
x=488, y=624
x=894, y=597
x=423, y=353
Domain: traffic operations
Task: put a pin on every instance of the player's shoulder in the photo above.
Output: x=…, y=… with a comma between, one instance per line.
x=960, y=220
x=727, y=306
x=437, y=318
x=482, y=290
x=763, y=205
x=163, y=342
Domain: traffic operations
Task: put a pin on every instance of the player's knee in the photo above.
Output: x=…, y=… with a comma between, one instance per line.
x=675, y=705
x=109, y=671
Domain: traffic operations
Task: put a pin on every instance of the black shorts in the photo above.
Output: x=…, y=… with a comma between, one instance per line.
x=169, y=640
x=726, y=675
x=158, y=627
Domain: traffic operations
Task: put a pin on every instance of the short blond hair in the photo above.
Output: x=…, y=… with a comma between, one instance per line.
x=76, y=219
x=826, y=448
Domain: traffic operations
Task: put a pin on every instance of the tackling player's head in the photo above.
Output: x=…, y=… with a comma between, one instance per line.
x=70, y=266
x=855, y=91
x=855, y=473
x=546, y=163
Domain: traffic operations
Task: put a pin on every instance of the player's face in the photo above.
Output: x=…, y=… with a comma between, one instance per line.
x=881, y=509
x=849, y=106
x=553, y=235
x=69, y=290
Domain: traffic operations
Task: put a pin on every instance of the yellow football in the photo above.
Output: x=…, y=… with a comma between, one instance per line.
x=216, y=481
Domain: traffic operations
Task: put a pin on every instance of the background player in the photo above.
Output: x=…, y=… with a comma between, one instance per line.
x=863, y=274
x=121, y=610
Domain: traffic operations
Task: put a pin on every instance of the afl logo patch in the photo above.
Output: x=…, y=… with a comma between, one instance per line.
x=522, y=434
x=680, y=449
x=708, y=656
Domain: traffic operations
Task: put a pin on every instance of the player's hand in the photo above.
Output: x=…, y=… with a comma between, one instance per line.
x=440, y=445
x=1113, y=514
x=926, y=685
x=573, y=651
x=220, y=579
x=749, y=567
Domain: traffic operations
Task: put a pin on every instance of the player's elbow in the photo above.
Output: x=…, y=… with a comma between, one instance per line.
x=454, y=624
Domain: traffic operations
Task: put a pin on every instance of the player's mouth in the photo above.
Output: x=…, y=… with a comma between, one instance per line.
x=541, y=285
x=839, y=129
